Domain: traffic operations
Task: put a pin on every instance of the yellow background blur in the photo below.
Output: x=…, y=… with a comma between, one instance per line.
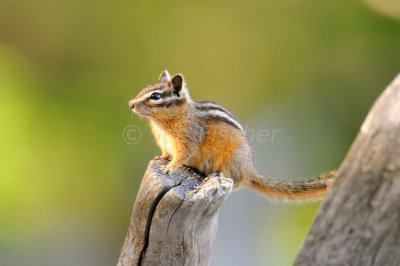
x=68, y=178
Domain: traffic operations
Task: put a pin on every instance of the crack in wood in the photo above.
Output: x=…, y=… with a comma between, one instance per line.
x=150, y=217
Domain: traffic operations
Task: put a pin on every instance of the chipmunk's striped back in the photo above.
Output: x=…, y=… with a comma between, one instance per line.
x=212, y=111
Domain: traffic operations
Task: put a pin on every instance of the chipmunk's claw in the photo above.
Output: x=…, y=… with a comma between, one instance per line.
x=162, y=157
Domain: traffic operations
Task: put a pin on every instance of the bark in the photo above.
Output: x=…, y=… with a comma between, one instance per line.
x=358, y=223
x=174, y=219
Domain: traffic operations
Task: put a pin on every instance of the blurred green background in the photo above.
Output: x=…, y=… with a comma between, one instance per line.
x=68, y=178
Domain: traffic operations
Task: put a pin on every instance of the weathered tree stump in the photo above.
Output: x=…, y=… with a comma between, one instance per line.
x=174, y=219
x=359, y=221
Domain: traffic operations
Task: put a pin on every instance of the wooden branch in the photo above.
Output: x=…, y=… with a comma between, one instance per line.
x=174, y=219
x=359, y=221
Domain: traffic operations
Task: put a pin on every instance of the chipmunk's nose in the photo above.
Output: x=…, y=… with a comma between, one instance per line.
x=131, y=104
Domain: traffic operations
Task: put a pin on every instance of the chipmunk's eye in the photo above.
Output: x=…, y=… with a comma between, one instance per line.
x=155, y=96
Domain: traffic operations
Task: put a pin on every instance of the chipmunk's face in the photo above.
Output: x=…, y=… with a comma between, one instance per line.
x=162, y=100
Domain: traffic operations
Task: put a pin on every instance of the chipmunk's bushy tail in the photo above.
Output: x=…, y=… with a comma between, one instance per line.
x=293, y=191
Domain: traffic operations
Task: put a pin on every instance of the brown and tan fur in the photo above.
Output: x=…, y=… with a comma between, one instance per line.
x=205, y=136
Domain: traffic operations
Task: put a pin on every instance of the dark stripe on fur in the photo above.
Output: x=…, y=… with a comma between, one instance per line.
x=166, y=94
x=168, y=104
x=223, y=120
x=200, y=106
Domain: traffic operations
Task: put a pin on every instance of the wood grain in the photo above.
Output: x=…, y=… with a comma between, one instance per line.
x=174, y=219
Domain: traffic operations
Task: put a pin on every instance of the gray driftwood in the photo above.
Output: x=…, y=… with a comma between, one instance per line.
x=174, y=219
x=359, y=221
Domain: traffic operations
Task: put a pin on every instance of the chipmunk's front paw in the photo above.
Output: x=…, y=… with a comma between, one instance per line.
x=163, y=157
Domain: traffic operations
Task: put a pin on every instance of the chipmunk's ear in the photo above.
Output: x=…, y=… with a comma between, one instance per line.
x=176, y=83
x=164, y=77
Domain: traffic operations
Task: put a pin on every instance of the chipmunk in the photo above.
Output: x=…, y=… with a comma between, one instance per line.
x=206, y=136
